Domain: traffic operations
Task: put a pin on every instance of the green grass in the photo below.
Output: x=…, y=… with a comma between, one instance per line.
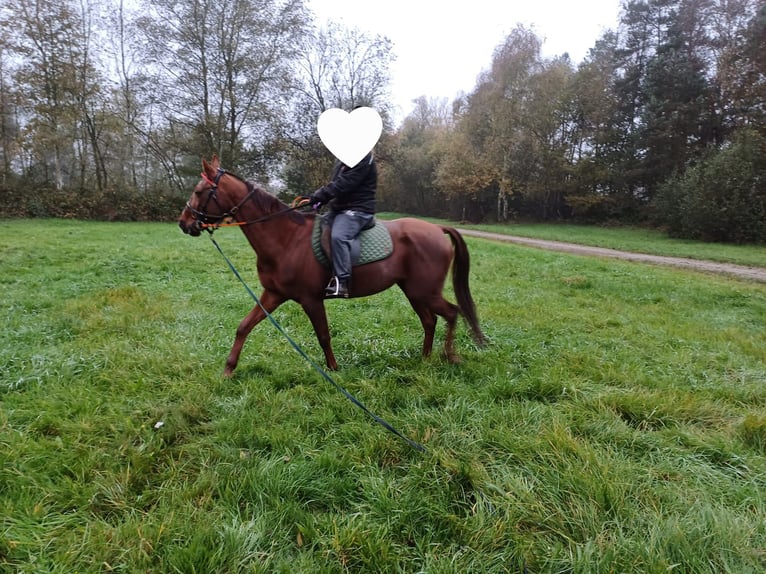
x=636, y=239
x=613, y=424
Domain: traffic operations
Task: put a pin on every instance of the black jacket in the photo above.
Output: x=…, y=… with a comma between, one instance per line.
x=351, y=188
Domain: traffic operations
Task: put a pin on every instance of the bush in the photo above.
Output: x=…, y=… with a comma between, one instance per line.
x=723, y=198
x=108, y=205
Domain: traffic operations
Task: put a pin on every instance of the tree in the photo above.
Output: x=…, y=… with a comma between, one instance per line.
x=131, y=159
x=337, y=68
x=59, y=81
x=491, y=124
x=344, y=68
x=521, y=121
x=409, y=173
x=599, y=143
x=466, y=177
x=551, y=119
x=673, y=105
x=676, y=119
x=722, y=198
x=222, y=71
x=642, y=30
x=9, y=129
x=741, y=66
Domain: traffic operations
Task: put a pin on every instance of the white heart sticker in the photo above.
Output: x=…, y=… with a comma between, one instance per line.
x=350, y=136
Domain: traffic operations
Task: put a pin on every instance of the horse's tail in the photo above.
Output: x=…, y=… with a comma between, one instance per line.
x=460, y=268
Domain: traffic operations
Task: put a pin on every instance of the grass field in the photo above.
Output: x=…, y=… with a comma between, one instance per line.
x=614, y=423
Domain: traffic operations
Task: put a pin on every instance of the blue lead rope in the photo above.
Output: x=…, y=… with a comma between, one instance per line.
x=317, y=368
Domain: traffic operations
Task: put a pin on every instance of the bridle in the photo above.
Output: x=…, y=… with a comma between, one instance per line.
x=205, y=219
x=210, y=222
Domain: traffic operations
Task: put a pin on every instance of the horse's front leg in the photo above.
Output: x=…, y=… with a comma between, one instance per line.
x=315, y=310
x=270, y=301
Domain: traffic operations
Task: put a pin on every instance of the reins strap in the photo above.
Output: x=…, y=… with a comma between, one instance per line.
x=318, y=368
x=213, y=226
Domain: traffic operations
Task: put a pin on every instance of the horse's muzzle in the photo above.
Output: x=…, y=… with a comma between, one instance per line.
x=192, y=228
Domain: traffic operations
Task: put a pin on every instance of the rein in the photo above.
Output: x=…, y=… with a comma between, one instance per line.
x=223, y=223
x=302, y=353
x=212, y=222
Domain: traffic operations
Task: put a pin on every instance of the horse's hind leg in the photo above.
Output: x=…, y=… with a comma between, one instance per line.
x=450, y=313
x=270, y=301
x=427, y=311
x=428, y=320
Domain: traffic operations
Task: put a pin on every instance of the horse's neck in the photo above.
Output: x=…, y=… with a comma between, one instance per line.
x=272, y=239
x=272, y=232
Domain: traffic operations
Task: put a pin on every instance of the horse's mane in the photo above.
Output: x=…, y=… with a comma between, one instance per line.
x=265, y=201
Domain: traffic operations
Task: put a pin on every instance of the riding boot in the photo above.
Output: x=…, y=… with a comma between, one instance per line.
x=337, y=288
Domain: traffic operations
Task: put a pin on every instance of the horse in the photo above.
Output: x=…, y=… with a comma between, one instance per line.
x=289, y=270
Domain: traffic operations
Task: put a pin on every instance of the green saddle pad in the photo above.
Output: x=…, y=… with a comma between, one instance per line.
x=375, y=244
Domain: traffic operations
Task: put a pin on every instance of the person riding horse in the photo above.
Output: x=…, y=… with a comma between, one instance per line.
x=288, y=268
x=350, y=195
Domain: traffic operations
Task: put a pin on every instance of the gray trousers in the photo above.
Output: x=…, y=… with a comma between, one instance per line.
x=346, y=227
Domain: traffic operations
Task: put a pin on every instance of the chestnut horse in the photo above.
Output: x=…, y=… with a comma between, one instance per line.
x=289, y=270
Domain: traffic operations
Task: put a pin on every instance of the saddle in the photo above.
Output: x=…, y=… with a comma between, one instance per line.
x=372, y=244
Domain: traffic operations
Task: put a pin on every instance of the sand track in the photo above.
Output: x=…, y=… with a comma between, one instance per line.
x=742, y=271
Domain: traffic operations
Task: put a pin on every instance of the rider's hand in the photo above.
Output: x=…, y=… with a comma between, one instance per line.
x=318, y=198
x=301, y=200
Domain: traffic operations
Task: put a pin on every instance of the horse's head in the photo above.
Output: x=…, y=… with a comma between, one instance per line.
x=222, y=198
x=209, y=203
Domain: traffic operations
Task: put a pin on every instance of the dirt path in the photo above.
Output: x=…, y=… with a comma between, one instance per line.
x=743, y=271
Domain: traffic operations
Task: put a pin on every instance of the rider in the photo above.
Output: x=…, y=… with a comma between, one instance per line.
x=351, y=198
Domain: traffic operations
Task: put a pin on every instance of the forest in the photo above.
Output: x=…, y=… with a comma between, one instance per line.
x=107, y=106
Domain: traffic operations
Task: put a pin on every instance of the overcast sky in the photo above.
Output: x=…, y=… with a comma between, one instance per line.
x=442, y=46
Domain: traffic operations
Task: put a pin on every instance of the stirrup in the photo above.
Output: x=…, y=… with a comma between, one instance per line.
x=336, y=289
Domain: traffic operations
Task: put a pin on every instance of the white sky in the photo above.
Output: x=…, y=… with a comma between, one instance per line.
x=441, y=46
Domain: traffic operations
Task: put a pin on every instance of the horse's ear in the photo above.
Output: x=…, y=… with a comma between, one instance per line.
x=215, y=163
x=210, y=168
